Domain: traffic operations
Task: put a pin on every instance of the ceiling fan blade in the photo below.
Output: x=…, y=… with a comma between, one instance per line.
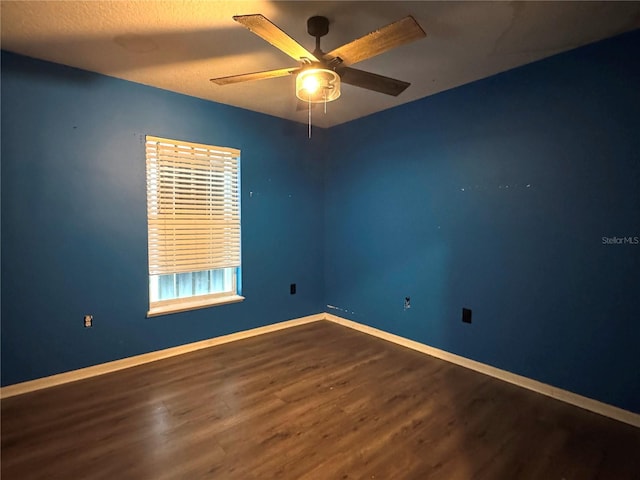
x=262, y=27
x=393, y=35
x=282, y=72
x=372, y=81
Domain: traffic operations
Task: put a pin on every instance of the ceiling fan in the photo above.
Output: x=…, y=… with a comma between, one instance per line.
x=319, y=74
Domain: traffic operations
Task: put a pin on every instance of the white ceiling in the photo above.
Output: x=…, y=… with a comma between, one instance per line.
x=180, y=45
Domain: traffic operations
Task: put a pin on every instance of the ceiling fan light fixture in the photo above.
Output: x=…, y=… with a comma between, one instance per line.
x=310, y=84
x=318, y=85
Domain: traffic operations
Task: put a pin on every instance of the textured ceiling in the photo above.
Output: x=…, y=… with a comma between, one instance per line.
x=180, y=45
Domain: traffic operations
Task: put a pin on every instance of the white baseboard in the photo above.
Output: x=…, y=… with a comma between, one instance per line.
x=524, y=382
x=82, y=373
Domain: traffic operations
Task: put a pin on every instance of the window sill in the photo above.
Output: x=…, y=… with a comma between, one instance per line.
x=184, y=306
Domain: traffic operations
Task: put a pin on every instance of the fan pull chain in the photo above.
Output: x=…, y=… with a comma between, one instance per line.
x=309, y=116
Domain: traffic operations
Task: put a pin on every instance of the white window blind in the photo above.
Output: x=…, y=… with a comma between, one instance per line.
x=193, y=206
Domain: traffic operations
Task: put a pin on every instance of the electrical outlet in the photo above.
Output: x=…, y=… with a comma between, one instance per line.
x=88, y=321
x=466, y=315
x=292, y=289
x=407, y=302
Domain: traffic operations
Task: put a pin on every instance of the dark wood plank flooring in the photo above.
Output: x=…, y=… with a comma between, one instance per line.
x=319, y=401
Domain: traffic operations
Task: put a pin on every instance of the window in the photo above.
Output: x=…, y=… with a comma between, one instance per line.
x=193, y=214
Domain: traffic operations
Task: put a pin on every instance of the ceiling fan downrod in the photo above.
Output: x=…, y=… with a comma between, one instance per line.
x=318, y=27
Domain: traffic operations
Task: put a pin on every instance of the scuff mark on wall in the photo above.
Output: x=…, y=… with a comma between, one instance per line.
x=344, y=310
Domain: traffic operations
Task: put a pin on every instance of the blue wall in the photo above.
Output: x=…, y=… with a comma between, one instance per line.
x=74, y=217
x=495, y=196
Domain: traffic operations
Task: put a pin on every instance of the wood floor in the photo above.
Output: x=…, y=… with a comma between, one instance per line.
x=319, y=401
